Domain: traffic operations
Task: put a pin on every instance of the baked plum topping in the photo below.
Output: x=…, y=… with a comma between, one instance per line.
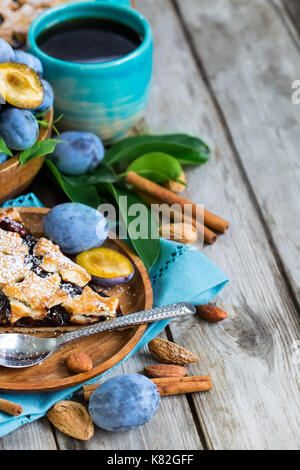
x=30, y=242
x=5, y=311
x=71, y=289
x=119, y=312
x=26, y=321
x=12, y=225
x=33, y=263
x=40, y=272
x=57, y=316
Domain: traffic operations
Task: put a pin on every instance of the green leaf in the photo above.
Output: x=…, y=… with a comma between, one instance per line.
x=41, y=113
x=186, y=149
x=156, y=166
x=101, y=174
x=42, y=147
x=147, y=249
x=86, y=195
x=188, y=141
x=43, y=123
x=4, y=149
x=55, y=122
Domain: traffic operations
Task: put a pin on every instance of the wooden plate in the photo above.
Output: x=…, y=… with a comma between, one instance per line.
x=106, y=349
x=15, y=178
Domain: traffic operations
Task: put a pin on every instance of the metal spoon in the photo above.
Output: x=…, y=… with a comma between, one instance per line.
x=20, y=350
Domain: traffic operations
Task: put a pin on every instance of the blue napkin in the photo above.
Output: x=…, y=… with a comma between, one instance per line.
x=180, y=274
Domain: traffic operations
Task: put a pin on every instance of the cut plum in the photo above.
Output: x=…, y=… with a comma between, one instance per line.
x=20, y=86
x=107, y=267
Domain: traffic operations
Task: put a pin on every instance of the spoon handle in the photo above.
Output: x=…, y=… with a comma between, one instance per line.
x=145, y=316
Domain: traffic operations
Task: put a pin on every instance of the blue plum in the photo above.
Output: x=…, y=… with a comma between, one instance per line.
x=3, y=157
x=75, y=227
x=124, y=402
x=33, y=62
x=79, y=152
x=7, y=53
x=19, y=128
x=47, y=100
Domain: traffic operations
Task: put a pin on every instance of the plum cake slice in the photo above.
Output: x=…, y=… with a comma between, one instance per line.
x=12, y=268
x=34, y=296
x=40, y=286
x=90, y=307
x=54, y=261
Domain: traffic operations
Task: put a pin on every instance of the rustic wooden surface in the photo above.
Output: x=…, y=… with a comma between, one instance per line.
x=223, y=70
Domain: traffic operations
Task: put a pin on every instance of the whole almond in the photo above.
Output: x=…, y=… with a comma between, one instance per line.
x=179, y=232
x=165, y=370
x=72, y=419
x=211, y=313
x=79, y=362
x=170, y=353
x=176, y=186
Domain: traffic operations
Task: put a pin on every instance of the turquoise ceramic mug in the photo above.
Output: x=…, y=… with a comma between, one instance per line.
x=106, y=98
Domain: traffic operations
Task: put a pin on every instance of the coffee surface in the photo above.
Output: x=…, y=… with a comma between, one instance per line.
x=89, y=40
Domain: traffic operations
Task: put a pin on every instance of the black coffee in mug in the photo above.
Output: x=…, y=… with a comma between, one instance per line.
x=89, y=40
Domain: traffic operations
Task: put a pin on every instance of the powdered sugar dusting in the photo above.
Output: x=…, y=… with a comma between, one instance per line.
x=45, y=278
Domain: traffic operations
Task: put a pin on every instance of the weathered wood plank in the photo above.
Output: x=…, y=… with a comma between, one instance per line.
x=33, y=436
x=251, y=62
x=171, y=428
x=254, y=402
x=293, y=7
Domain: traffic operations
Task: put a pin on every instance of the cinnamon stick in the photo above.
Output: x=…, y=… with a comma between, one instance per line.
x=168, y=386
x=181, y=388
x=10, y=408
x=191, y=378
x=88, y=390
x=209, y=236
x=143, y=184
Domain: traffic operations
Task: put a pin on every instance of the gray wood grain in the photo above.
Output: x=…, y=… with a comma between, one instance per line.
x=33, y=436
x=250, y=355
x=254, y=401
x=250, y=63
x=172, y=427
x=293, y=7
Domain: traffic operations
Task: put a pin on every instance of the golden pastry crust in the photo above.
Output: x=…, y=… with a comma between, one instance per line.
x=85, y=308
x=11, y=243
x=7, y=7
x=11, y=213
x=12, y=268
x=55, y=261
x=34, y=296
x=46, y=247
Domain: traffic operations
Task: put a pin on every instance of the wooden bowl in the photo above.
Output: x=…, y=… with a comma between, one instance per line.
x=15, y=178
x=105, y=349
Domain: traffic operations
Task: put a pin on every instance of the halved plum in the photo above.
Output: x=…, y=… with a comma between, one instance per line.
x=20, y=86
x=107, y=267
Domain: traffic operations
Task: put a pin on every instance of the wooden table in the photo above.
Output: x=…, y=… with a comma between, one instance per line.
x=224, y=71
